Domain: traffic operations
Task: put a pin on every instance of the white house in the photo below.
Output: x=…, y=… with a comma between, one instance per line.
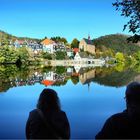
x=69, y=52
x=80, y=56
x=48, y=46
x=77, y=57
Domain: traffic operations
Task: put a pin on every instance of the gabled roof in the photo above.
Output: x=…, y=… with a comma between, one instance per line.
x=83, y=55
x=20, y=41
x=75, y=74
x=69, y=50
x=76, y=50
x=47, y=42
x=88, y=41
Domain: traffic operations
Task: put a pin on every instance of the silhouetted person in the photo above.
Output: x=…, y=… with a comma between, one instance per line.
x=125, y=125
x=48, y=121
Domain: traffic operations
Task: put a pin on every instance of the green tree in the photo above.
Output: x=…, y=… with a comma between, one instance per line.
x=46, y=55
x=23, y=54
x=8, y=55
x=64, y=40
x=137, y=56
x=131, y=10
x=60, y=55
x=59, y=39
x=75, y=43
x=120, y=57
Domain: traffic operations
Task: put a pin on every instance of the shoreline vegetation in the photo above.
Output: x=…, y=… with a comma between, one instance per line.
x=117, y=76
x=113, y=49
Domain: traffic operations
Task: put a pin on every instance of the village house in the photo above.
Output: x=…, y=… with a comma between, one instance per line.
x=60, y=46
x=20, y=43
x=35, y=46
x=81, y=56
x=86, y=45
x=70, y=53
x=49, y=46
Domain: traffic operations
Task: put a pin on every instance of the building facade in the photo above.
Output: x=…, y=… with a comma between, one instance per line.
x=86, y=45
x=49, y=46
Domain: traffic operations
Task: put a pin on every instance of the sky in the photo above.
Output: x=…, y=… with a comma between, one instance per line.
x=66, y=18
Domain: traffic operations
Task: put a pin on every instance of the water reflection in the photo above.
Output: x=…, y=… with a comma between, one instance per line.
x=12, y=76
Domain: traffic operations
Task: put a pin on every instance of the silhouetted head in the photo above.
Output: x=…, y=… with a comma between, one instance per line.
x=133, y=97
x=48, y=100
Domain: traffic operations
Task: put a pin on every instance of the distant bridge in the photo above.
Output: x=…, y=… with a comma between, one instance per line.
x=82, y=63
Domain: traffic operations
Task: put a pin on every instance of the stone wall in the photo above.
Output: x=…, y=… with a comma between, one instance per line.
x=90, y=49
x=87, y=47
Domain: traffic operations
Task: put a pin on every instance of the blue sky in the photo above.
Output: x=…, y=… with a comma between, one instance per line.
x=67, y=18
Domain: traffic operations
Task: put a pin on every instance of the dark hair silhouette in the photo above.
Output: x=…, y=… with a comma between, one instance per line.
x=124, y=125
x=133, y=99
x=133, y=93
x=48, y=101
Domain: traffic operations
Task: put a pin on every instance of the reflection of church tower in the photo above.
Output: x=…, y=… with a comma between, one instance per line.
x=88, y=87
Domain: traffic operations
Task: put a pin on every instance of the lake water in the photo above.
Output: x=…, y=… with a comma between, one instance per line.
x=88, y=96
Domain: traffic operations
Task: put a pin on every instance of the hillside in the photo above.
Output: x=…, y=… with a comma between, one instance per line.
x=7, y=37
x=117, y=43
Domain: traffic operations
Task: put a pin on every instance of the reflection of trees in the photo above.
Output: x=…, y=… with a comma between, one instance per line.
x=60, y=70
x=11, y=76
x=115, y=78
x=7, y=75
x=75, y=80
x=60, y=83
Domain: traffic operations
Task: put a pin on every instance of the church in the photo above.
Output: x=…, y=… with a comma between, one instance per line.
x=87, y=45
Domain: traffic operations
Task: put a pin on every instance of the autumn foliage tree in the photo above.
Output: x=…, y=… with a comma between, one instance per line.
x=130, y=9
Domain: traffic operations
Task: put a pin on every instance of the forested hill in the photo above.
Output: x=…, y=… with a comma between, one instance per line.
x=117, y=43
x=6, y=36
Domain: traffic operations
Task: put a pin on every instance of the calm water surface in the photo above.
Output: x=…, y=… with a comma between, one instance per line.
x=88, y=97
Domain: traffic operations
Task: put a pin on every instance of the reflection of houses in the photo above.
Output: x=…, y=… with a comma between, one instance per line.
x=47, y=82
x=69, y=71
x=51, y=78
x=87, y=45
x=35, y=78
x=77, y=68
x=48, y=46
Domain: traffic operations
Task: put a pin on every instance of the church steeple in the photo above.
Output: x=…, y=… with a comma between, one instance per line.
x=88, y=36
x=89, y=41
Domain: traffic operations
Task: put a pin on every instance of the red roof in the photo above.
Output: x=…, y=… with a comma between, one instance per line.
x=47, y=42
x=76, y=50
x=47, y=82
x=76, y=74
